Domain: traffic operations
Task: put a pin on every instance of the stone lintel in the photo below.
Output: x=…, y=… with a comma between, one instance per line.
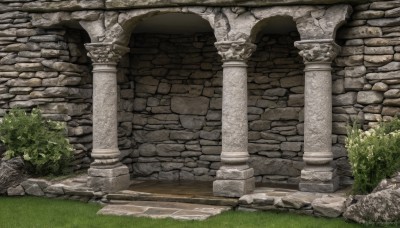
x=235, y=174
x=51, y=6
x=233, y=188
x=243, y=3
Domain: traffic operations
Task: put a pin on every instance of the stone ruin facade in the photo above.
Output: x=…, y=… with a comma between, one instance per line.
x=237, y=103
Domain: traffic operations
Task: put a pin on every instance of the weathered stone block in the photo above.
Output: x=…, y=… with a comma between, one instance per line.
x=15, y=191
x=233, y=188
x=169, y=150
x=192, y=122
x=369, y=97
x=281, y=114
x=109, y=184
x=331, y=186
x=360, y=32
x=190, y=105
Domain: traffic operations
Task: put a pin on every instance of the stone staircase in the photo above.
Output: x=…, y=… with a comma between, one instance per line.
x=188, y=201
x=128, y=195
x=159, y=209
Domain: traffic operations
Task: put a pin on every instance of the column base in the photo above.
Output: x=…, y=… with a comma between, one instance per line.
x=234, y=182
x=109, y=180
x=324, y=181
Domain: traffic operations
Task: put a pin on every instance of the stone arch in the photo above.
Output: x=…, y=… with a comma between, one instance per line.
x=121, y=30
x=313, y=22
x=90, y=21
x=276, y=91
x=271, y=21
x=172, y=94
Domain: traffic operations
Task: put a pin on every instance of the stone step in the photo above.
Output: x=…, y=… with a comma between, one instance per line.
x=128, y=195
x=174, y=210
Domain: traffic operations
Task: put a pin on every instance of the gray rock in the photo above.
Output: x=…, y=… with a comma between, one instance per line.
x=293, y=81
x=392, y=66
x=360, y=32
x=275, y=92
x=15, y=191
x=281, y=114
x=298, y=200
x=291, y=146
x=260, y=125
x=329, y=206
x=378, y=207
x=378, y=59
x=268, y=166
x=384, y=22
x=12, y=173
x=369, y=97
x=354, y=83
x=192, y=122
x=210, y=135
x=190, y=105
x=169, y=150
x=147, y=150
x=32, y=189
x=146, y=169
x=383, y=76
x=183, y=135
x=392, y=93
x=356, y=71
x=380, y=86
x=56, y=189
x=392, y=102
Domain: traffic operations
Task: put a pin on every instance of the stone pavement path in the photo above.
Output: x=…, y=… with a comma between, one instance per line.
x=151, y=209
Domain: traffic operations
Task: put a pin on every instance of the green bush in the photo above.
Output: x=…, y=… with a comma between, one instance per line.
x=41, y=143
x=374, y=154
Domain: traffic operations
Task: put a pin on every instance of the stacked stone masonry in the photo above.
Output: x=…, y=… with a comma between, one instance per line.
x=176, y=108
x=170, y=85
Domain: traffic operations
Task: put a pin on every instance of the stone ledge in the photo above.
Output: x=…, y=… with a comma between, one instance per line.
x=74, y=5
x=318, y=204
x=247, y=3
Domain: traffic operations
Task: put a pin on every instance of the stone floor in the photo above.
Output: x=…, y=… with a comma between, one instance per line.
x=187, y=200
x=154, y=209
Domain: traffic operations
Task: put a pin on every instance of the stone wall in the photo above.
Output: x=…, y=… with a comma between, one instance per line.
x=47, y=69
x=366, y=80
x=172, y=90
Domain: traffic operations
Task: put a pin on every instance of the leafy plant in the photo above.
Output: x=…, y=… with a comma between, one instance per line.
x=41, y=143
x=374, y=154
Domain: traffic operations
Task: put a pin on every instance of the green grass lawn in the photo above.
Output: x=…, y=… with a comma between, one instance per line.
x=39, y=212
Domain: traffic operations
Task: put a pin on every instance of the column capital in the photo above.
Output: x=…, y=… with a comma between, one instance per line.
x=239, y=50
x=106, y=53
x=318, y=51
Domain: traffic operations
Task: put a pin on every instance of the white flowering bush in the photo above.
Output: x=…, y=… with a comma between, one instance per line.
x=41, y=143
x=374, y=154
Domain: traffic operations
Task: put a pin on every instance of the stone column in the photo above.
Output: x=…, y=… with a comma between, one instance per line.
x=106, y=173
x=319, y=174
x=235, y=178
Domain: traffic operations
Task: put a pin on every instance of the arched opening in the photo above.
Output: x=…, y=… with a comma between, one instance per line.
x=170, y=100
x=276, y=103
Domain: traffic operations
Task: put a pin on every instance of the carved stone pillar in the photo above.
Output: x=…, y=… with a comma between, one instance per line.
x=234, y=178
x=106, y=173
x=319, y=174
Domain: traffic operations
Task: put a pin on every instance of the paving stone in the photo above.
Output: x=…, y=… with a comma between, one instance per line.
x=179, y=211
